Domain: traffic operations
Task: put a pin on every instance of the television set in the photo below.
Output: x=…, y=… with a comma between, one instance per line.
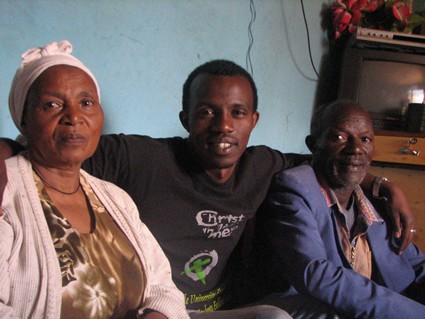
x=384, y=79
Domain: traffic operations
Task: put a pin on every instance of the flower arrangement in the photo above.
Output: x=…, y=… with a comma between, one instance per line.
x=388, y=15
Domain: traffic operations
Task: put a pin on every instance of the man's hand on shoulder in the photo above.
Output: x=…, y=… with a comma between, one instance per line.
x=9, y=148
x=400, y=213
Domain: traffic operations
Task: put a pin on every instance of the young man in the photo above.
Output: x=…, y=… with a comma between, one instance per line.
x=328, y=242
x=196, y=194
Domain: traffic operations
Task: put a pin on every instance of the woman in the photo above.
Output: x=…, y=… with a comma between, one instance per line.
x=73, y=246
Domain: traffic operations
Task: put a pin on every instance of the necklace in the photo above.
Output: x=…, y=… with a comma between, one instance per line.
x=54, y=188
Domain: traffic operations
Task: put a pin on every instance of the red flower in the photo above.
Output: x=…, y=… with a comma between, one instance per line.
x=401, y=12
x=348, y=14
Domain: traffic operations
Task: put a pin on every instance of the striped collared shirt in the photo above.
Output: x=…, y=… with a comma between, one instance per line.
x=354, y=241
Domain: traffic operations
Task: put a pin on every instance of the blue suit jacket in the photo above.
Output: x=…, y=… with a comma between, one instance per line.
x=303, y=233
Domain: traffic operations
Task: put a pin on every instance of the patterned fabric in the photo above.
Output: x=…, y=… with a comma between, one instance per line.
x=102, y=277
x=354, y=240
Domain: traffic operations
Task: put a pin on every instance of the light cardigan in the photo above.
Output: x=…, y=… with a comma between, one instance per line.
x=30, y=278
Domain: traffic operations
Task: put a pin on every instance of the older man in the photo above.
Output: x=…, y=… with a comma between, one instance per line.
x=329, y=244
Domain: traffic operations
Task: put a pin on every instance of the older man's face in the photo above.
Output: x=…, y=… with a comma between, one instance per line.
x=345, y=150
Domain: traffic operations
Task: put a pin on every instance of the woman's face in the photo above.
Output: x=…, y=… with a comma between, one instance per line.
x=63, y=119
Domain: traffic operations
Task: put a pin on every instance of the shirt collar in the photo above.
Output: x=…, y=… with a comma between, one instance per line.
x=363, y=204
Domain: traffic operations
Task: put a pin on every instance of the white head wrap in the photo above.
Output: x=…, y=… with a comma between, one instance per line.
x=34, y=62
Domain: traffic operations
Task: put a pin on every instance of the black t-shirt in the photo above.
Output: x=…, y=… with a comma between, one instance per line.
x=197, y=222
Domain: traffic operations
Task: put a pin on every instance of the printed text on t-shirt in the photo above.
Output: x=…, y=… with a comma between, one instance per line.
x=218, y=226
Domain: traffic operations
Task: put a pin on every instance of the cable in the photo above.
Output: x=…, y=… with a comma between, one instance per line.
x=308, y=40
x=251, y=38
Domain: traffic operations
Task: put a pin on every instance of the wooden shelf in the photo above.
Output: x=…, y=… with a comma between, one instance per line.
x=399, y=133
x=388, y=147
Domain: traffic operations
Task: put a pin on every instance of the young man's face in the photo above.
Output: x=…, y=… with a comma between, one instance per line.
x=220, y=120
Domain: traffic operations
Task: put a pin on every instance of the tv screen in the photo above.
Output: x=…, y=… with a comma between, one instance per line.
x=383, y=82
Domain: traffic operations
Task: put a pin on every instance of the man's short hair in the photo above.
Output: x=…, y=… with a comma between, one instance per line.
x=217, y=67
x=319, y=121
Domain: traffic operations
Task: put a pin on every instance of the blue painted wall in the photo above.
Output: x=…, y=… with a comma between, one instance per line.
x=142, y=51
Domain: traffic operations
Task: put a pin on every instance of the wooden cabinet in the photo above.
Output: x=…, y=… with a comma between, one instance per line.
x=400, y=156
x=405, y=150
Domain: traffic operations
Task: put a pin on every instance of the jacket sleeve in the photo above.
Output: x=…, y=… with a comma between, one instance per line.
x=416, y=258
x=295, y=233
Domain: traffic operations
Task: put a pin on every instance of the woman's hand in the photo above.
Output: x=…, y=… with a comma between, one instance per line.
x=400, y=213
x=151, y=314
